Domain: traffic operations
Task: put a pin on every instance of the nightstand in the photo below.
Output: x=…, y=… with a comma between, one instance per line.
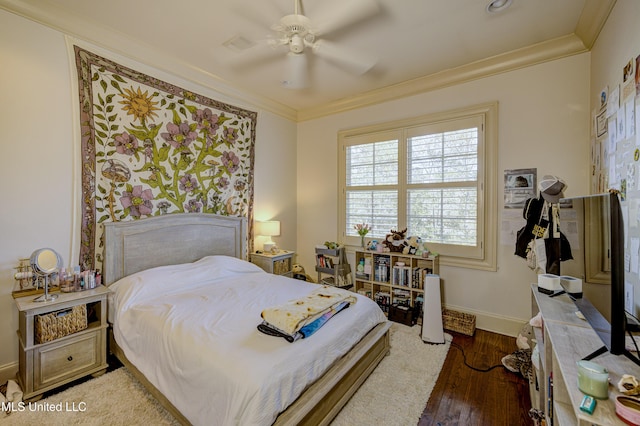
x=280, y=263
x=50, y=359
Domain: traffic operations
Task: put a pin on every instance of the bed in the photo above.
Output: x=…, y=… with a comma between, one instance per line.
x=310, y=387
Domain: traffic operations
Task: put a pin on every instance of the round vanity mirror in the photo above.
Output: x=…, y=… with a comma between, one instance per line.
x=44, y=262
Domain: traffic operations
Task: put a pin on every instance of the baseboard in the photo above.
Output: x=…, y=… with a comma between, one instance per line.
x=8, y=371
x=494, y=323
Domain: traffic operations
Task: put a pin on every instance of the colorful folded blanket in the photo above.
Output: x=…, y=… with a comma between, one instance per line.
x=295, y=314
x=305, y=331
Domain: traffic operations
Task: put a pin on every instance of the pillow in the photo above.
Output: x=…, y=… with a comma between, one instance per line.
x=171, y=279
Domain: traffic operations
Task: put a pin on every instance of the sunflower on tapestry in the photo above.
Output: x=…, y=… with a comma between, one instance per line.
x=139, y=104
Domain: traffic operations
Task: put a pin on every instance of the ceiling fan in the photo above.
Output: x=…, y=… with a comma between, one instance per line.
x=302, y=35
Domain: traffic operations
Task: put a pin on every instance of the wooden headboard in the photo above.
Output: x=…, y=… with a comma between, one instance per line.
x=170, y=239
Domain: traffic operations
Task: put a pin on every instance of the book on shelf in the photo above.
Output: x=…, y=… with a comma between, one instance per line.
x=381, y=268
x=324, y=261
x=401, y=297
x=417, y=277
x=382, y=273
x=383, y=299
x=401, y=275
x=404, y=301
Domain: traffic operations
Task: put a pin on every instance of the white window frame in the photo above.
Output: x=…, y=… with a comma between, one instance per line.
x=484, y=254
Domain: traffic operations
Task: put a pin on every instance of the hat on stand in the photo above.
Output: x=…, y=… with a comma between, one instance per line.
x=551, y=188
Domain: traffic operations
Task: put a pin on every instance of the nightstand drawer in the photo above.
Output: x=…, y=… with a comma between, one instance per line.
x=56, y=362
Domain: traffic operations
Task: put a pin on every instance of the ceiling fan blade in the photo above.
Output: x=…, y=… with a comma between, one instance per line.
x=297, y=71
x=356, y=62
x=263, y=18
x=337, y=14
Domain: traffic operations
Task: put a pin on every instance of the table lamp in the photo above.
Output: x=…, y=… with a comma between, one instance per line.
x=268, y=228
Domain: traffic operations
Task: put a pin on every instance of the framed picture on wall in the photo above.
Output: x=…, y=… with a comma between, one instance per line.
x=519, y=186
x=601, y=123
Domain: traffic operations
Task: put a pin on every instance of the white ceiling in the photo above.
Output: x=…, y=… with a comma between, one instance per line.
x=414, y=41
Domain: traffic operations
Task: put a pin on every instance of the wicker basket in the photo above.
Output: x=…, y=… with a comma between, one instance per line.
x=459, y=322
x=60, y=323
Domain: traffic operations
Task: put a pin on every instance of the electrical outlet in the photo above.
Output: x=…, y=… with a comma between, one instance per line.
x=628, y=297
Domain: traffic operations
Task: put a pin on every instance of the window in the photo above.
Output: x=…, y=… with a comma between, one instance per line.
x=433, y=175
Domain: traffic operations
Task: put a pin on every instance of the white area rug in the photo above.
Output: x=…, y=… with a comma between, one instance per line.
x=395, y=393
x=115, y=398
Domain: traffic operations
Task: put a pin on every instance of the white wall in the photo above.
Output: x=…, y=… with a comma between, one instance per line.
x=275, y=177
x=543, y=123
x=38, y=162
x=619, y=42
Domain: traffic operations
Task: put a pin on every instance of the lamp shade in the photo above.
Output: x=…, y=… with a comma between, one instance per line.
x=268, y=228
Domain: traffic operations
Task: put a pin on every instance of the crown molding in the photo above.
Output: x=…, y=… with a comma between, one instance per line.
x=594, y=15
x=542, y=52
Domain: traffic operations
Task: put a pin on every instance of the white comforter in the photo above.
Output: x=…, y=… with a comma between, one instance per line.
x=191, y=330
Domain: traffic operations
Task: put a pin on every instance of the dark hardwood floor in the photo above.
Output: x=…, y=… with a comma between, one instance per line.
x=463, y=396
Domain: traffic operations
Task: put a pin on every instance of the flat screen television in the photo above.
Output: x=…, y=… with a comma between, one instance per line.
x=600, y=230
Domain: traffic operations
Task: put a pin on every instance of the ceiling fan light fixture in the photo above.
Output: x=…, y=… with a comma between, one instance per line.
x=296, y=71
x=497, y=6
x=296, y=44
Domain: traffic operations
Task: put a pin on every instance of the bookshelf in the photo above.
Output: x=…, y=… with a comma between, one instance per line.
x=393, y=278
x=332, y=267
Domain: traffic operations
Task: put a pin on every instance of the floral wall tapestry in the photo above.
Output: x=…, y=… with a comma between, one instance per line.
x=151, y=148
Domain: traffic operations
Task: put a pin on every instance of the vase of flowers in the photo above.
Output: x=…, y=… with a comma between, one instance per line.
x=362, y=229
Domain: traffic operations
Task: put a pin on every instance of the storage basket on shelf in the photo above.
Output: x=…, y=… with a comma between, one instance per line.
x=459, y=322
x=55, y=325
x=401, y=313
